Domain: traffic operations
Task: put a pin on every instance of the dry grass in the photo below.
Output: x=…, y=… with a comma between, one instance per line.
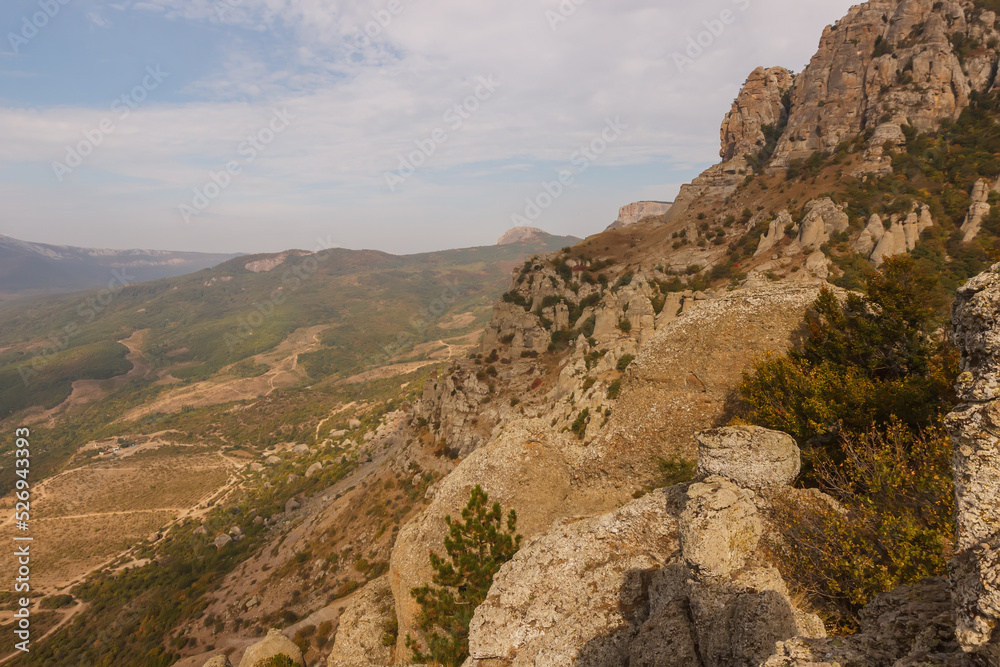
x=142, y=482
x=66, y=549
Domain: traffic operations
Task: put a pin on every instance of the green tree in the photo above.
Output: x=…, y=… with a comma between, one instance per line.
x=866, y=360
x=477, y=547
x=864, y=395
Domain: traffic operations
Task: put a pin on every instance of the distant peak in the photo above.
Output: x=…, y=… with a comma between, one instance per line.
x=522, y=235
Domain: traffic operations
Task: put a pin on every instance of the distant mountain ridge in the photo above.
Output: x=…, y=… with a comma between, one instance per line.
x=26, y=266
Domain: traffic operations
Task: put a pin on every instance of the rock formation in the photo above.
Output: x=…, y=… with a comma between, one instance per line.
x=633, y=213
x=755, y=456
x=362, y=626
x=521, y=235
x=218, y=661
x=974, y=427
x=273, y=645
x=823, y=219
x=674, y=578
x=886, y=64
x=978, y=209
x=759, y=106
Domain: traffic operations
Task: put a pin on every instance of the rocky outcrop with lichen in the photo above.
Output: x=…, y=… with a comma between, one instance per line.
x=674, y=578
x=363, y=626
x=273, y=645
x=759, y=113
x=974, y=426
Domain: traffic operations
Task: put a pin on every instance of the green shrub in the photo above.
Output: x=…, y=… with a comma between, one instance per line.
x=614, y=389
x=625, y=361
x=673, y=470
x=864, y=396
x=865, y=361
x=896, y=528
x=477, y=547
x=580, y=423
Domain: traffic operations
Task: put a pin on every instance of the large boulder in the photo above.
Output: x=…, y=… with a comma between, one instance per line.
x=218, y=661
x=578, y=593
x=362, y=626
x=672, y=579
x=720, y=528
x=273, y=645
x=751, y=456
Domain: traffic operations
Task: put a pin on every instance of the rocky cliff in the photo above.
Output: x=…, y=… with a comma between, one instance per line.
x=885, y=65
x=606, y=357
x=633, y=213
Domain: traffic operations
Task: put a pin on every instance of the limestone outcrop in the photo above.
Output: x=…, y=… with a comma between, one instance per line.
x=218, y=661
x=274, y=644
x=978, y=209
x=675, y=578
x=911, y=626
x=823, y=219
x=887, y=62
x=751, y=456
x=974, y=426
x=636, y=211
x=362, y=625
x=760, y=105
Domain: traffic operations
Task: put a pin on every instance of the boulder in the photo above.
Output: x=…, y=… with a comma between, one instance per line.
x=362, y=625
x=720, y=528
x=750, y=456
x=218, y=661
x=576, y=595
x=221, y=541
x=272, y=460
x=313, y=469
x=291, y=505
x=273, y=645
x=353, y=424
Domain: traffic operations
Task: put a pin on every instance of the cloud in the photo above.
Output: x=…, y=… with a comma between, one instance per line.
x=367, y=86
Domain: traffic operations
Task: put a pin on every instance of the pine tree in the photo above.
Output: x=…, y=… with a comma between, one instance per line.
x=477, y=547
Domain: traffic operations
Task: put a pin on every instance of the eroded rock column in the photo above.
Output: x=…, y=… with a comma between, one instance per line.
x=975, y=431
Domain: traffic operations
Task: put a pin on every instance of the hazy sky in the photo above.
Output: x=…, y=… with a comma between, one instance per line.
x=402, y=125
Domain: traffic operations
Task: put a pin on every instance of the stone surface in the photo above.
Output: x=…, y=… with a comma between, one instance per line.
x=359, y=636
x=633, y=213
x=577, y=593
x=720, y=528
x=221, y=541
x=758, y=104
x=853, y=82
x=218, y=661
x=979, y=208
x=823, y=219
x=274, y=644
x=911, y=626
x=750, y=456
x=975, y=431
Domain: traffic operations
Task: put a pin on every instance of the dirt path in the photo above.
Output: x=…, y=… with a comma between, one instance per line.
x=68, y=616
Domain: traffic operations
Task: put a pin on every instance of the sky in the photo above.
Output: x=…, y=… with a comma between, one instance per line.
x=399, y=125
